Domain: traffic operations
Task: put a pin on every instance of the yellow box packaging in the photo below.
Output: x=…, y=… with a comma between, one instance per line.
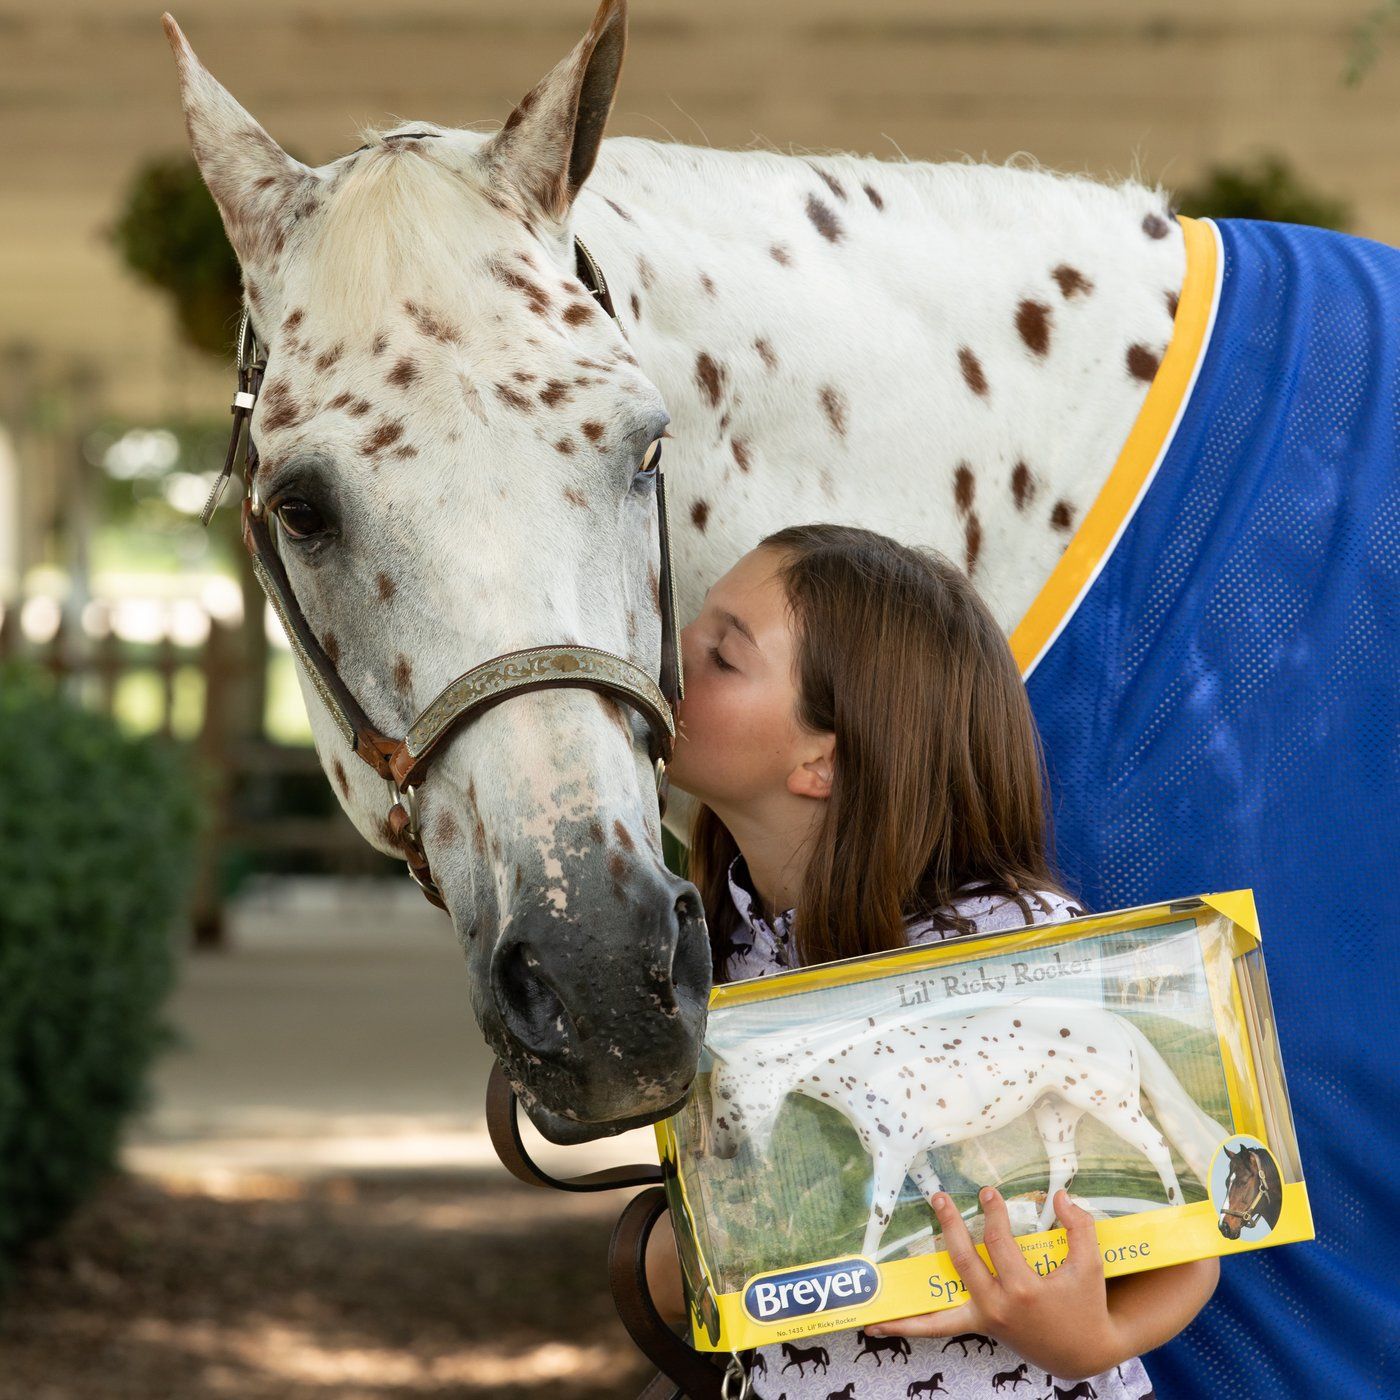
x=1131, y=1056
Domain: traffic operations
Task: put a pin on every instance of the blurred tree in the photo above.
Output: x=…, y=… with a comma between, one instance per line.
x=1366, y=41
x=169, y=234
x=1265, y=188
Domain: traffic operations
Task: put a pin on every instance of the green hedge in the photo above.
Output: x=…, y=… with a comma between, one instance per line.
x=97, y=838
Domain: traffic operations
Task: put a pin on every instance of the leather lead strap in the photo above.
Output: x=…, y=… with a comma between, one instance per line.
x=503, y=1124
x=689, y=1373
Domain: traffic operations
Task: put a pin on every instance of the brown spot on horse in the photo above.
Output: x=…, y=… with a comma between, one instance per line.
x=635, y=302
x=972, y=542
x=1173, y=301
x=1154, y=226
x=331, y=647
x=780, y=254
x=564, y=445
x=403, y=672
x=700, y=514
x=554, y=393
x=765, y=353
x=710, y=376
x=432, y=325
x=873, y=195
x=328, y=357
x=575, y=497
x=972, y=371
x=578, y=312
x=1071, y=281
x=341, y=781
x=385, y=586
x=593, y=431
x=964, y=484
x=834, y=406
x=1022, y=485
x=617, y=209
x=740, y=450
x=1142, y=362
x=824, y=219
x=1033, y=324
x=510, y=395
x=280, y=409
x=624, y=838
x=708, y=283
x=385, y=435
x=831, y=182
x=403, y=373
x=1062, y=517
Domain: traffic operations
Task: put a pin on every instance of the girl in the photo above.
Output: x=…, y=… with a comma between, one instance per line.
x=868, y=774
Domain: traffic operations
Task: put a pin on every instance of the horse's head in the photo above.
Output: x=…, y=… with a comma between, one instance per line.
x=456, y=446
x=1244, y=1191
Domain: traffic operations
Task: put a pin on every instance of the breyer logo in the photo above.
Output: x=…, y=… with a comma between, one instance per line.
x=798, y=1292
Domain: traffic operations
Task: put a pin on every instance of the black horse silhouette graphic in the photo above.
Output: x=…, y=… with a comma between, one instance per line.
x=963, y=1338
x=934, y=1382
x=1013, y=1378
x=873, y=1346
x=1083, y=1391
x=802, y=1357
x=1253, y=1191
x=847, y=1392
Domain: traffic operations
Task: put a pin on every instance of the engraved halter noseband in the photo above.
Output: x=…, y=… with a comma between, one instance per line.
x=403, y=763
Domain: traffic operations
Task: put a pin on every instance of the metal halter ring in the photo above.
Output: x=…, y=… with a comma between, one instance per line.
x=735, y=1374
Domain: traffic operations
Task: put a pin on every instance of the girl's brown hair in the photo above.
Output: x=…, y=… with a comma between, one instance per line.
x=939, y=776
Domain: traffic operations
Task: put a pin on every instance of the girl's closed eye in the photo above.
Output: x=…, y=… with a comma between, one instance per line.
x=718, y=659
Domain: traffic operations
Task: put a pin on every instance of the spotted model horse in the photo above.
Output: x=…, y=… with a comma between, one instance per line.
x=910, y=1087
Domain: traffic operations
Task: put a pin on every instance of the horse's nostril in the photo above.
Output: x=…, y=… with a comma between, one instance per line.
x=691, y=970
x=529, y=1006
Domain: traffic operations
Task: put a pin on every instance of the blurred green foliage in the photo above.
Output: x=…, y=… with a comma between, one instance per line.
x=169, y=234
x=1266, y=187
x=97, y=839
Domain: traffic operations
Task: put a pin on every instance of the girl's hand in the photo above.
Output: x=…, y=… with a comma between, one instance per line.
x=1060, y=1323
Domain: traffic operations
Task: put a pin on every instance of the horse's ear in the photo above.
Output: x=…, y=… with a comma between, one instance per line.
x=259, y=188
x=548, y=144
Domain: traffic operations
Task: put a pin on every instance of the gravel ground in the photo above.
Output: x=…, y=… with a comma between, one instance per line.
x=355, y=1287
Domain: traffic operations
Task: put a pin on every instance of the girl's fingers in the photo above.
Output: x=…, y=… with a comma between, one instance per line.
x=962, y=1253
x=1081, y=1232
x=996, y=1235
x=950, y=1322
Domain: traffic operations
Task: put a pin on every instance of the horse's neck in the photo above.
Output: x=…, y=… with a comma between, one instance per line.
x=942, y=352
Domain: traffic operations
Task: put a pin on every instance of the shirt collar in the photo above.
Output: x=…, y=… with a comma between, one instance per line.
x=746, y=902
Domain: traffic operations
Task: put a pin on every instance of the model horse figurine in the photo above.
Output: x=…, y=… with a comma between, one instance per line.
x=911, y=1087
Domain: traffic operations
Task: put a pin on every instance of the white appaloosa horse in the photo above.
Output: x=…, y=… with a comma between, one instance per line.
x=909, y=1086
x=455, y=428
x=1162, y=449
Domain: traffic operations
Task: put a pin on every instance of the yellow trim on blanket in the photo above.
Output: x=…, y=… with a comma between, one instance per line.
x=1104, y=519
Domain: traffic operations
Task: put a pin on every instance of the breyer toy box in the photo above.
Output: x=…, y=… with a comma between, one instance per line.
x=1131, y=1057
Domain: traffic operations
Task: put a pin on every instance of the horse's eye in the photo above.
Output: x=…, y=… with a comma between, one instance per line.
x=300, y=519
x=651, y=458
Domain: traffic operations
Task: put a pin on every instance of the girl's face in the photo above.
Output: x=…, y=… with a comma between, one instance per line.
x=738, y=739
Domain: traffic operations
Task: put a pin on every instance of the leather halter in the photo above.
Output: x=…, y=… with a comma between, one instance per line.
x=403, y=763
x=1249, y=1216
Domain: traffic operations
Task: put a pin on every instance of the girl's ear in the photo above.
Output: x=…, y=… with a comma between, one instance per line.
x=813, y=777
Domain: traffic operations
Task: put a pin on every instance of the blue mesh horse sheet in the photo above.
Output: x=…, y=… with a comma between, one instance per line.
x=1215, y=670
